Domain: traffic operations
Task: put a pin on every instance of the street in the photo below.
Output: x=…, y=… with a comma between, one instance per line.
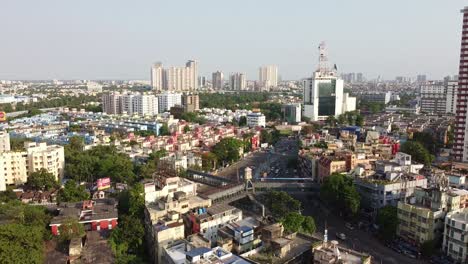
x=357, y=239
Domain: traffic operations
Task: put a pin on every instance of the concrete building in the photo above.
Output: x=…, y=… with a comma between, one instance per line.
x=376, y=97
x=185, y=252
x=145, y=104
x=93, y=87
x=292, y=113
x=207, y=222
x=433, y=97
x=42, y=156
x=112, y=103
x=329, y=252
x=256, y=120
x=237, y=82
x=167, y=100
x=13, y=169
x=323, y=93
x=166, y=199
x=268, y=76
x=4, y=141
x=191, y=102
x=157, y=76
x=455, y=242
x=96, y=215
x=451, y=103
x=460, y=145
x=175, y=78
x=181, y=78
x=217, y=80
x=130, y=103
x=15, y=166
x=421, y=217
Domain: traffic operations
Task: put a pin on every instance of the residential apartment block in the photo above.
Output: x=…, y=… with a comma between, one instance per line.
x=15, y=166
x=175, y=78
x=455, y=242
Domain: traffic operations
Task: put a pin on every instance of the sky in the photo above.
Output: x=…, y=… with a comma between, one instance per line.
x=120, y=39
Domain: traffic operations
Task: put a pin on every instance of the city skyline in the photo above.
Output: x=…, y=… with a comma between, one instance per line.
x=122, y=46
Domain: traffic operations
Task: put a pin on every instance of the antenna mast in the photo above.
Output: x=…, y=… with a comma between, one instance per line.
x=323, y=58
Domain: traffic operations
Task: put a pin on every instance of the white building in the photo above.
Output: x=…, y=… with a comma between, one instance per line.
x=112, y=103
x=145, y=104
x=323, y=93
x=451, y=103
x=433, y=97
x=217, y=80
x=130, y=103
x=93, y=87
x=167, y=100
x=42, y=156
x=4, y=141
x=15, y=166
x=157, y=72
x=268, y=76
x=214, y=218
x=256, y=120
x=292, y=113
x=455, y=243
x=237, y=82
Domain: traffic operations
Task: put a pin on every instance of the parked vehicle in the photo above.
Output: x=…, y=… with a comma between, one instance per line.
x=341, y=236
x=349, y=226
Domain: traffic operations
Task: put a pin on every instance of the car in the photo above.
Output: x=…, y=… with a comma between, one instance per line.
x=409, y=253
x=341, y=236
x=349, y=226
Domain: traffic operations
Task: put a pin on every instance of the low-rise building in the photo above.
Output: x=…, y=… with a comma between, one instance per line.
x=95, y=215
x=256, y=120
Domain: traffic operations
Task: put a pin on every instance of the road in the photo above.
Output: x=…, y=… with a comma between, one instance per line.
x=273, y=162
x=357, y=239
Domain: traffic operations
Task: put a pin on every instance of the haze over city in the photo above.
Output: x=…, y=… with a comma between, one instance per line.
x=121, y=39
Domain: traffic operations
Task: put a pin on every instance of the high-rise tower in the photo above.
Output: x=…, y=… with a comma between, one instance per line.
x=323, y=93
x=460, y=145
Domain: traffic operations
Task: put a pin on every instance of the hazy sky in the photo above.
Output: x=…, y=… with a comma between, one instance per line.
x=113, y=39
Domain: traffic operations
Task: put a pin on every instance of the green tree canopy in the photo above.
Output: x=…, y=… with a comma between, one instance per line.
x=227, y=150
x=42, y=180
x=387, y=220
x=418, y=152
x=164, y=130
x=72, y=192
x=339, y=190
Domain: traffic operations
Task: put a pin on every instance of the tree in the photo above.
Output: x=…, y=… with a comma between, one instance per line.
x=228, y=150
x=339, y=190
x=242, y=121
x=331, y=121
x=418, y=152
x=128, y=236
x=21, y=244
x=72, y=192
x=42, y=180
x=281, y=203
x=308, y=225
x=164, y=130
x=387, y=220
x=137, y=201
x=186, y=129
x=69, y=229
x=292, y=222
x=208, y=161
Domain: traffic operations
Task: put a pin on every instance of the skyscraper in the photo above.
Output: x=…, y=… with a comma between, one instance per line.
x=460, y=145
x=157, y=76
x=217, y=80
x=323, y=93
x=237, y=82
x=268, y=76
x=175, y=78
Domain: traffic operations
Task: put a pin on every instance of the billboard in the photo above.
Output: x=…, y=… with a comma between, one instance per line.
x=3, y=117
x=103, y=183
